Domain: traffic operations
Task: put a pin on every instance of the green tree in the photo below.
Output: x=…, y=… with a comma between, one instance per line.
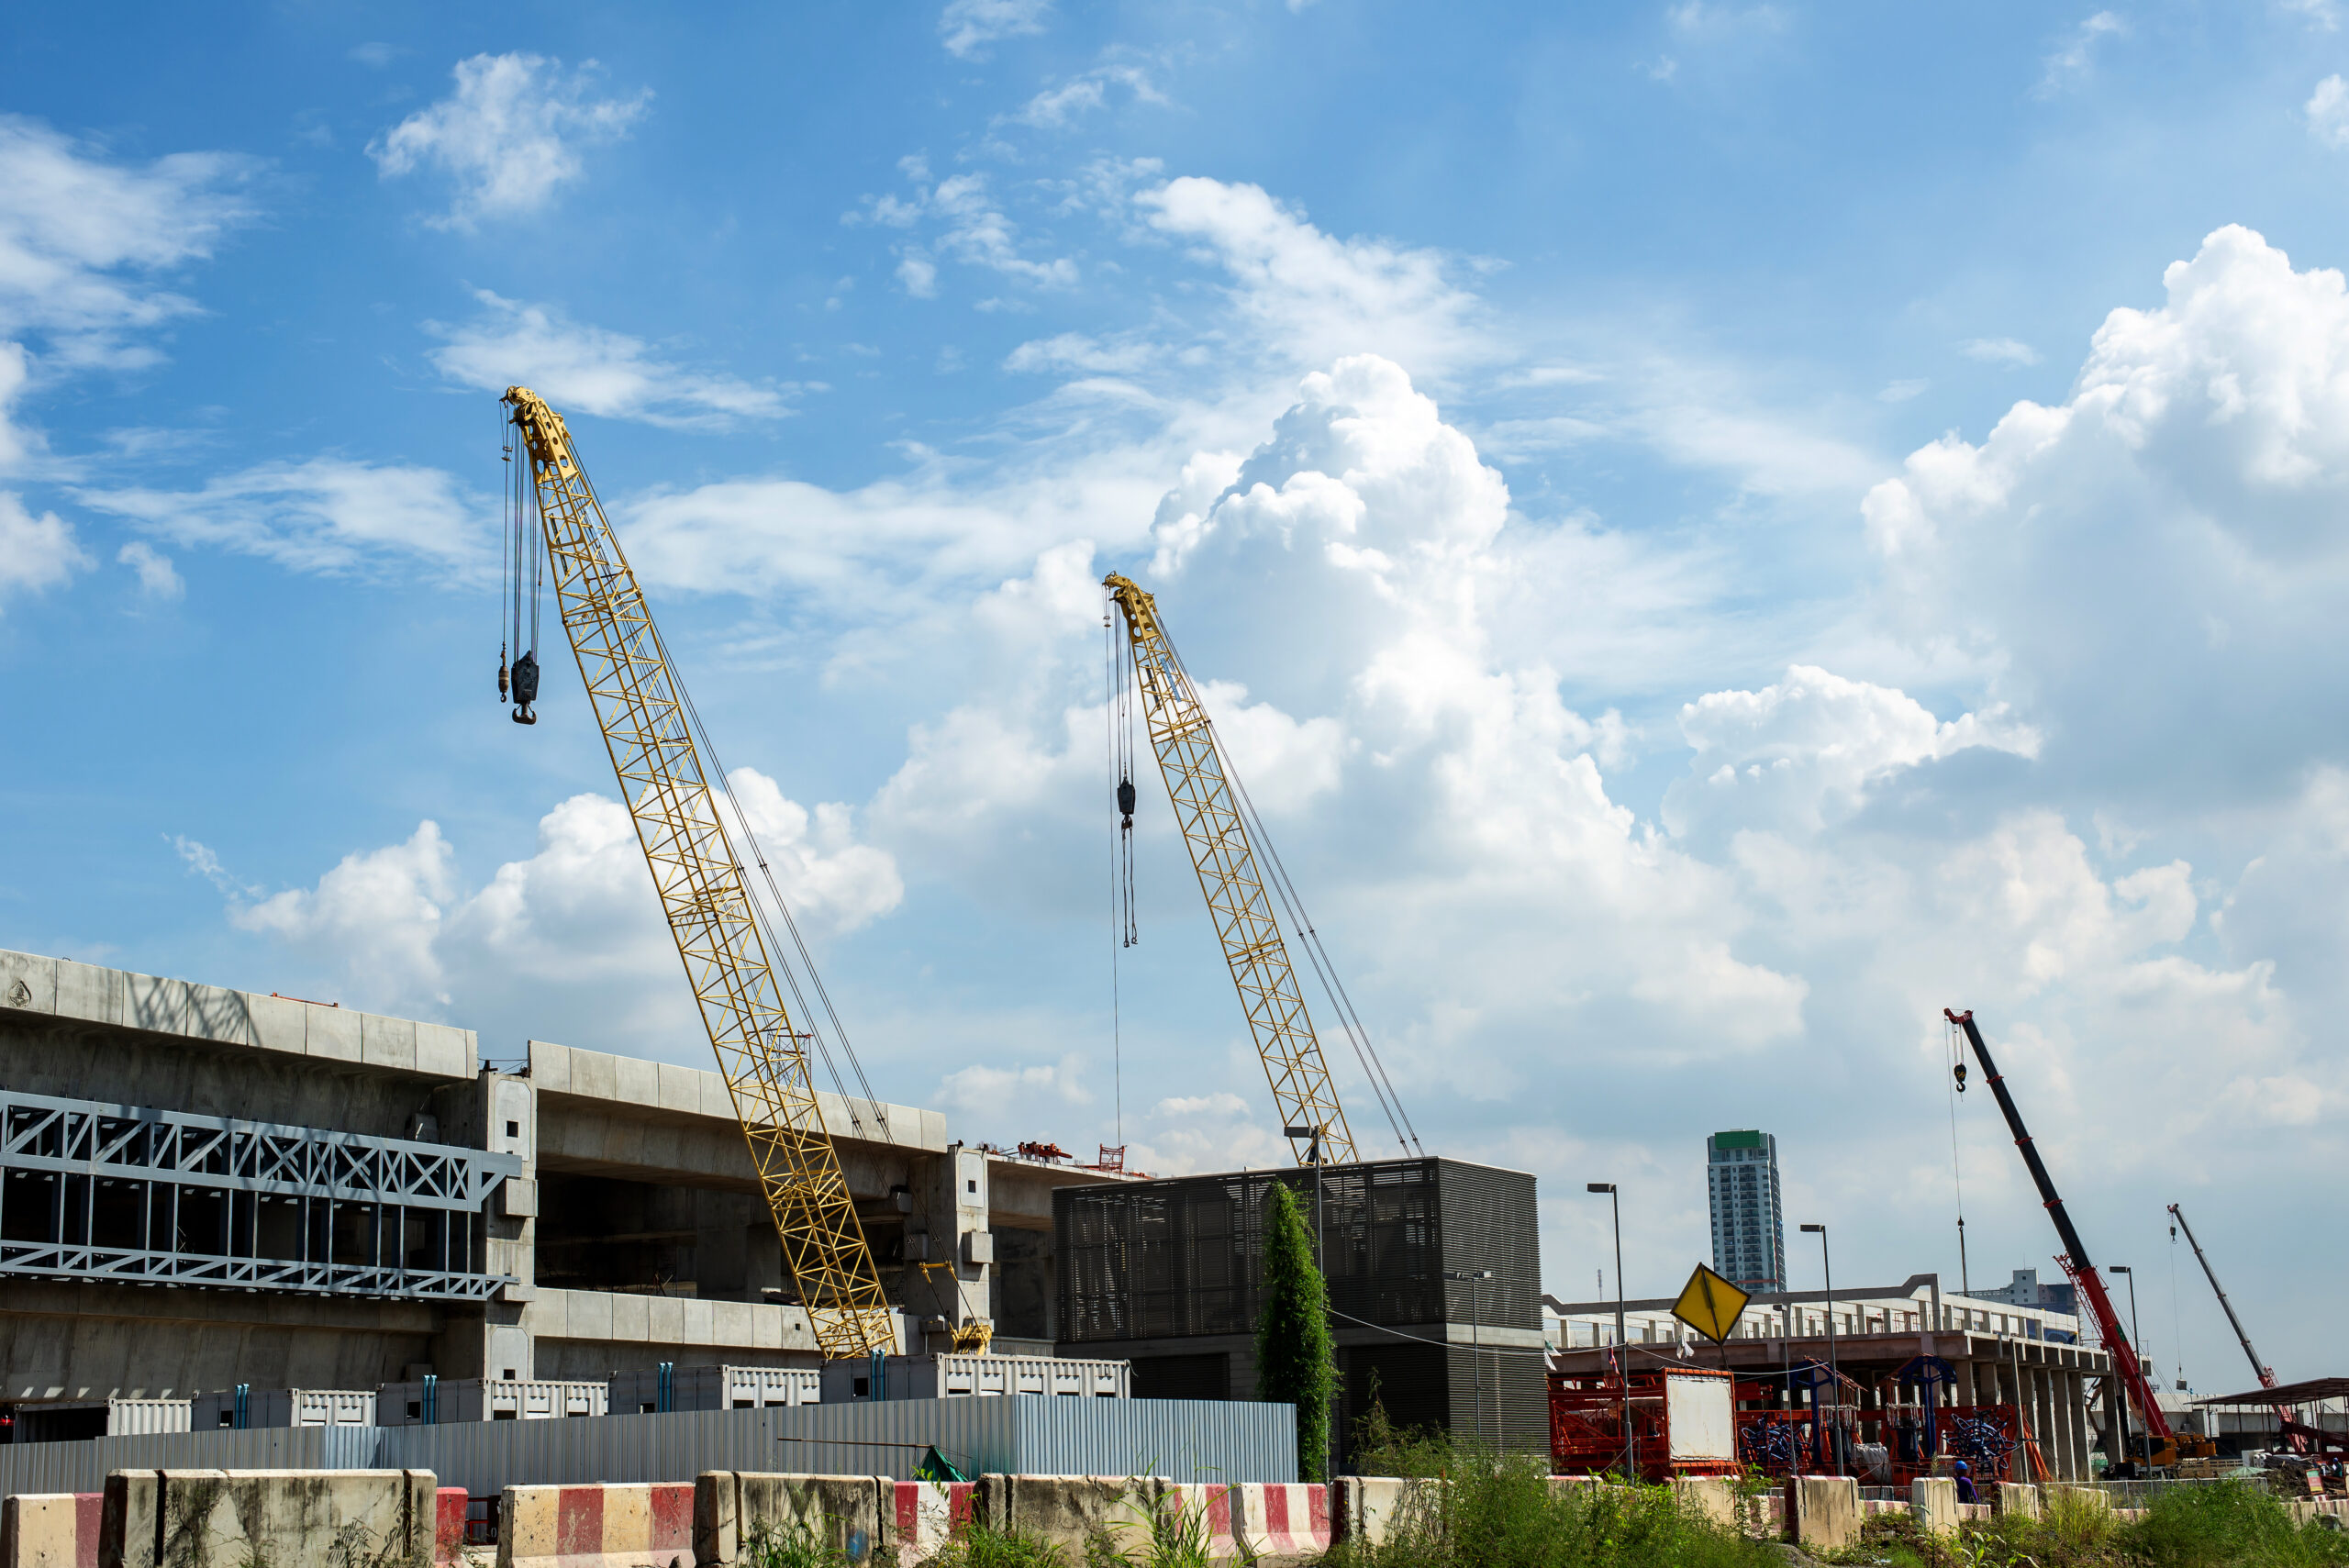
x=1296, y=1363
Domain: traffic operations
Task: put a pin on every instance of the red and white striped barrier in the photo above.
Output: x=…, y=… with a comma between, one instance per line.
x=448, y=1525
x=929, y=1514
x=1215, y=1503
x=1292, y=1518
x=51, y=1530
x=609, y=1526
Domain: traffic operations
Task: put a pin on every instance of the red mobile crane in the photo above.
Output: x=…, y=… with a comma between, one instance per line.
x=2294, y=1433
x=2075, y=1256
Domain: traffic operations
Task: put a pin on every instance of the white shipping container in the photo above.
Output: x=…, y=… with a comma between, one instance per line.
x=978, y=1377
x=717, y=1388
x=135, y=1417
x=289, y=1407
x=490, y=1400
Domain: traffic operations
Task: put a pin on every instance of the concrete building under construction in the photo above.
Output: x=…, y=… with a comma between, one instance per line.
x=202, y=1188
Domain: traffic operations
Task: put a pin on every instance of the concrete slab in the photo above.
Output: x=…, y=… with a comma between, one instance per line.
x=590, y=1315
x=636, y=1082
x=279, y=1023
x=680, y=1088
x=219, y=1015
x=595, y=1075
x=731, y=1323
x=549, y=1066
x=151, y=1002
x=444, y=1051
x=333, y=1034
x=387, y=1042
x=697, y=1323
x=665, y=1319
x=27, y=982
x=87, y=992
x=631, y=1319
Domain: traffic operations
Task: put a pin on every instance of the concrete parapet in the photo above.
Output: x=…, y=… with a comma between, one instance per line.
x=1825, y=1511
x=1707, y=1497
x=847, y=1514
x=1072, y=1509
x=185, y=1519
x=639, y=1525
x=1933, y=1499
x=1369, y=1508
x=1288, y=1518
x=51, y=1530
x=929, y=1514
x=2014, y=1498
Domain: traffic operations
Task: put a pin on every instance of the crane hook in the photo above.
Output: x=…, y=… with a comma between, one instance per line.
x=1961, y=1077
x=526, y=688
x=1126, y=802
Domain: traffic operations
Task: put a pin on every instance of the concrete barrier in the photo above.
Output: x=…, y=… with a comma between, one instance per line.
x=1707, y=1496
x=1289, y=1519
x=929, y=1514
x=2082, y=1497
x=1070, y=1509
x=1214, y=1514
x=51, y=1530
x=639, y=1525
x=1370, y=1506
x=185, y=1519
x=448, y=1525
x=847, y=1514
x=1824, y=1511
x=2014, y=1498
x=1933, y=1499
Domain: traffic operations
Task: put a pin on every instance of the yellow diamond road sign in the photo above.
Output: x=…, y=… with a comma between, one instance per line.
x=1711, y=1305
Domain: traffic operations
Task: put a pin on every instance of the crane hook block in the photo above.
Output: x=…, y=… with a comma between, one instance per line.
x=1961, y=1077
x=526, y=688
x=1126, y=800
x=501, y=674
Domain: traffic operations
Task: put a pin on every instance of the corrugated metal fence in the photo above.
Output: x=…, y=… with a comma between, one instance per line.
x=1184, y=1440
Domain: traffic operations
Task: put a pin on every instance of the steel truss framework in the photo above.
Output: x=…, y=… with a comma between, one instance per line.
x=626, y=671
x=129, y=1194
x=1237, y=903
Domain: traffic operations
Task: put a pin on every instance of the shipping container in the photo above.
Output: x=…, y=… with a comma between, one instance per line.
x=715, y=1388
x=436, y=1401
x=977, y=1377
x=76, y=1420
x=285, y=1408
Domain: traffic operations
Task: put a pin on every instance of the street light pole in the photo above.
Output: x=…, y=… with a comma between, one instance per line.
x=1321, y=1266
x=1834, y=1378
x=1622, y=1351
x=2137, y=1343
x=1475, y=1339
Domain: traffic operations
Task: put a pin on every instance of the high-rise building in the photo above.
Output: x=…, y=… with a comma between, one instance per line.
x=1749, y=1228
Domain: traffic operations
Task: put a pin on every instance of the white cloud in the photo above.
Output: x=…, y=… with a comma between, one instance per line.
x=589, y=370
x=967, y=26
x=920, y=276
x=1076, y=351
x=971, y=228
x=2325, y=14
x=157, y=577
x=993, y=1096
x=1055, y=106
x=1901, y=391
x=509, y=134
x=2328, y=112
x=2074, y=60
x=200, y=860
x=1999, y=351
x=1317, y=296
x=396, y=927
x=36, y=553
x=328, y=515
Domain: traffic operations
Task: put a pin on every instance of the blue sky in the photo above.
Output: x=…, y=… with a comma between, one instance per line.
x=1715, y=531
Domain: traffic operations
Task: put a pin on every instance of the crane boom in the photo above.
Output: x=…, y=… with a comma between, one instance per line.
x=2265, y=1374
x=1218, y=840
x=2076, y=1254
x=647, y=731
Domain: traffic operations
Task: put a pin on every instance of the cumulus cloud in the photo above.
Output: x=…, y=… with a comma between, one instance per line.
x=2328, y=112
x=158, y=579
x=970, y=226
x=1083, y=93
x=36, y=553
x=397, y=926
x=589, y=370
x=994, y=1096
x=967, y=26
x=509, y=136
x=329, y=515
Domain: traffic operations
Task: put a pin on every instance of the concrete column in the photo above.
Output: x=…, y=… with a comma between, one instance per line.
x=2077, y=1421
x=1965, y=1375
x=2043, y=1416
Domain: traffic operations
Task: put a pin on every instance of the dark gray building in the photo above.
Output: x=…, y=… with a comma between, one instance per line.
x=1168, y=1274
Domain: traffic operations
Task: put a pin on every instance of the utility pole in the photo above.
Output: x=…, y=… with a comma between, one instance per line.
x=1622, y=1351
x=1474, y=1277
x=1834, y=1377
x=2137, y=1343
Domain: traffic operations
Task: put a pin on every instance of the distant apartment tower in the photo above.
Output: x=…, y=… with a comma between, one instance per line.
x=1749, y=1229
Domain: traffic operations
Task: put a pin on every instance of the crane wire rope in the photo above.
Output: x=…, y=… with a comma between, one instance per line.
x=758, y=911
x=1955, y=1061
x=1324, y=968
x=1119, y=744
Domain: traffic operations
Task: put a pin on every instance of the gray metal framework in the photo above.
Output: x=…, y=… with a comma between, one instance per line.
x=134, y=1194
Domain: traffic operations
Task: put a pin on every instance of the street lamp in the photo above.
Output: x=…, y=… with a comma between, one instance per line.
x=1320, y=1260
x=1834, y=1382
x=1622, y=1351
x=1475, y=1341
x=2136, y=1343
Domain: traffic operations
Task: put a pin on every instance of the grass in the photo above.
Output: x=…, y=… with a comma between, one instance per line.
x=2220, y=1525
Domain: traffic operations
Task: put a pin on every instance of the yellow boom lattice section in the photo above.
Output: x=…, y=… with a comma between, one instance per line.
x=1237, y=903
x=626, y=671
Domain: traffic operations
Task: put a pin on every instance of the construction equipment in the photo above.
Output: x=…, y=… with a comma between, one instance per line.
x=2265, y=1374
x=2164, y=1444
x=648, y=724
x=1216, y=817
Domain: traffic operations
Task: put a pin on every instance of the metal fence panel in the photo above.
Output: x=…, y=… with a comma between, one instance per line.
x=83, y=1466
x=1183, y=1439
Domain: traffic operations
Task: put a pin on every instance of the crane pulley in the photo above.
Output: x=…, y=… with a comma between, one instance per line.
x=1221, y=831
x=648, y=727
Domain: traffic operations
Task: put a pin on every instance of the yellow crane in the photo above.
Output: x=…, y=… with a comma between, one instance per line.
x=648, y=724
x=1215, y=820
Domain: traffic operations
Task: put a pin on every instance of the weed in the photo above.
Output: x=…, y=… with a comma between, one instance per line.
x=978, y=1546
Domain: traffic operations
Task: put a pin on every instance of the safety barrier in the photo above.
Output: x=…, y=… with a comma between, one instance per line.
x=175, y=1518
x=449, y=1506
x=1291, y=1518
x=618, y=1525
x=928, y=1515
x=51, y=1530
x=733, y=1510
x=1825, y=1511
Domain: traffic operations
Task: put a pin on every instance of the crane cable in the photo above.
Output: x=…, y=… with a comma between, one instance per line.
x=1119, y=706
x=1325, y=969
x=1955, y=1081
x=778, y=960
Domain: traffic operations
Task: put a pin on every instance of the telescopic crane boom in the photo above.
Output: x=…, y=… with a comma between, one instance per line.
x=2074, y=1257
x=2265, y=1374
x=647, y=727
x=1215, y=831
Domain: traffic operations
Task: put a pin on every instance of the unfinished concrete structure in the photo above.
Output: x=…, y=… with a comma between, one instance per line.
x=285, y=1194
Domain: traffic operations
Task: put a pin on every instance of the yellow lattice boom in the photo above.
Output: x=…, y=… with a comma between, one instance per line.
x=1237, y=903
x=624, y=669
